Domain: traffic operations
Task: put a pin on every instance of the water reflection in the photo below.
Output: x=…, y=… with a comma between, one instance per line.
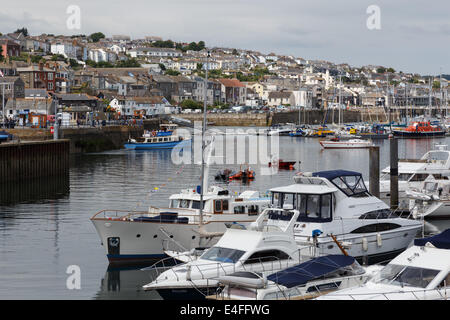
x=126, y=283
x=34, y=190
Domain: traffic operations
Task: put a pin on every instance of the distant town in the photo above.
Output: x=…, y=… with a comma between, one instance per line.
x=93, y=77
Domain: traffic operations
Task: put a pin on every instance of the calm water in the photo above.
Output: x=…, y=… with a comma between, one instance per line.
x=45, y=226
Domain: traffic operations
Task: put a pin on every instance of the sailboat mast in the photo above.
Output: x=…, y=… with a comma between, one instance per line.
x=203, y=140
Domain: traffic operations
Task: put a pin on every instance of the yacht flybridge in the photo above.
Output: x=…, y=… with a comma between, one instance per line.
x=135, y=237
x=413, y=172
x=335, y=205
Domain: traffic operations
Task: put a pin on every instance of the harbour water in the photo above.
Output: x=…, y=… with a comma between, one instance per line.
x=45, y=226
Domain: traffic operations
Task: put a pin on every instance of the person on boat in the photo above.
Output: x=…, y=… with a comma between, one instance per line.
x=154, y=133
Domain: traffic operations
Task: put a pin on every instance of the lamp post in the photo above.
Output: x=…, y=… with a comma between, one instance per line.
x=55, y=129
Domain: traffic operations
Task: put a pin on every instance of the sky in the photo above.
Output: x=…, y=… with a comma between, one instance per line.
x=413, y=36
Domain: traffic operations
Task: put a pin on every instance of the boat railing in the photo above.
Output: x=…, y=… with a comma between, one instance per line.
x=124, y=215
x=415, y=294
x=222, y=268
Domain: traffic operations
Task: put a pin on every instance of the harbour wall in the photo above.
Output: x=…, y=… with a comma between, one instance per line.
x=30, y=160
x=89, y=139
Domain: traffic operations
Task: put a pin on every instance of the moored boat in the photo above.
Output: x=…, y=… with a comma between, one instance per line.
x=420, y=129
x=345, y=144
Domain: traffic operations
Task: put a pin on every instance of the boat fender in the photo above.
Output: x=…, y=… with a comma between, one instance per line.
x=365, y=244
x=379, y=240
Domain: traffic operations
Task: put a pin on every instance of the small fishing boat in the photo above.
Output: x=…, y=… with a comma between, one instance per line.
x=283, y=165
x=422, y=272
x=336, y=143
x=420, y=129
x=246, y=174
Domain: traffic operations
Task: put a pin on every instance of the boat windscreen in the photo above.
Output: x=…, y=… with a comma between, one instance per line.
x=351, y=185
x=223, y=254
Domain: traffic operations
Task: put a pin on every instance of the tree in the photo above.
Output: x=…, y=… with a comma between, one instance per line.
x=24, y=31
x=73, y=63
x=162, y=66
x=391, y=70
x=381, y=70
x=95, y=37
x=235, y=52
x=191, y=104
x=172, y=72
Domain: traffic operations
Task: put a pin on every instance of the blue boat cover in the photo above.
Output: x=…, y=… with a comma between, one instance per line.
x=441, y=240
x=309, y=270
x=331, y=174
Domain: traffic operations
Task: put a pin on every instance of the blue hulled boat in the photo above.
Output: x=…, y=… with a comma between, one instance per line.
x=155, y=140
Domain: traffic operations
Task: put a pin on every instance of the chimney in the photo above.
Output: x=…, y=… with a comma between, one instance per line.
x=41, y=66
x=29, y=60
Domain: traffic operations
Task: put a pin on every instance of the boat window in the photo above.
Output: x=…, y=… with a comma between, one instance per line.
x=174, y=203
x=218, y=206
x=314, y=207
x=225, y=205
x=379, y=214
x=223, y=254
x=239, y=209
x=280, y=199
x=326, y=206
x=351, y=185
x=267, y=256
x=184, y=203
x=196, y=204
x=419, y=177
x=437, y=155
x=280, y=215
x=254, y=209
x=431, y=186
x=405, y=276
x=376, y=227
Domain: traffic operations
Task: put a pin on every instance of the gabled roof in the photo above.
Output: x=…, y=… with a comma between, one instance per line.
x=231, y=83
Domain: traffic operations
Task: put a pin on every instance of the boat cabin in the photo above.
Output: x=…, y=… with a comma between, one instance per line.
x=314, y=197
x=219, y=201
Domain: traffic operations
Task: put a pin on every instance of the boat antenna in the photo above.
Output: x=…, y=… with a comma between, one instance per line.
x=203, y=184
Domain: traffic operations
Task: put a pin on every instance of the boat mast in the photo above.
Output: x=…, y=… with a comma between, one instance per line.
x=203, y=184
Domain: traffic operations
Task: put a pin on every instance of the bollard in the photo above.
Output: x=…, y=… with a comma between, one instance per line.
x=394, y=172
x=374, y=171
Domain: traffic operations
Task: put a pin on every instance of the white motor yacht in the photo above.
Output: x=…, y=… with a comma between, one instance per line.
x=431, y=200
x=138, y=237
x=266, y=246
x=336, y=204
x=420, y=273
x=412, y=173
x=307, y=280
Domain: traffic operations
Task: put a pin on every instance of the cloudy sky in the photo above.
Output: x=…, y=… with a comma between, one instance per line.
x=414, y=34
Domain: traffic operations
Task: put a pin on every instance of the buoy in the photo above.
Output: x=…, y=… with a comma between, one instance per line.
x=379, y=240
x=365, y=245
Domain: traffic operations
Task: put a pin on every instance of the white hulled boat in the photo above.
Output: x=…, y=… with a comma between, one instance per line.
x=264, y=247
x=337, y=204
x=307, y=280
x=345, y=144
x=420, y=273
x=413, y=172
x=133, y=237
x=431, y=200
